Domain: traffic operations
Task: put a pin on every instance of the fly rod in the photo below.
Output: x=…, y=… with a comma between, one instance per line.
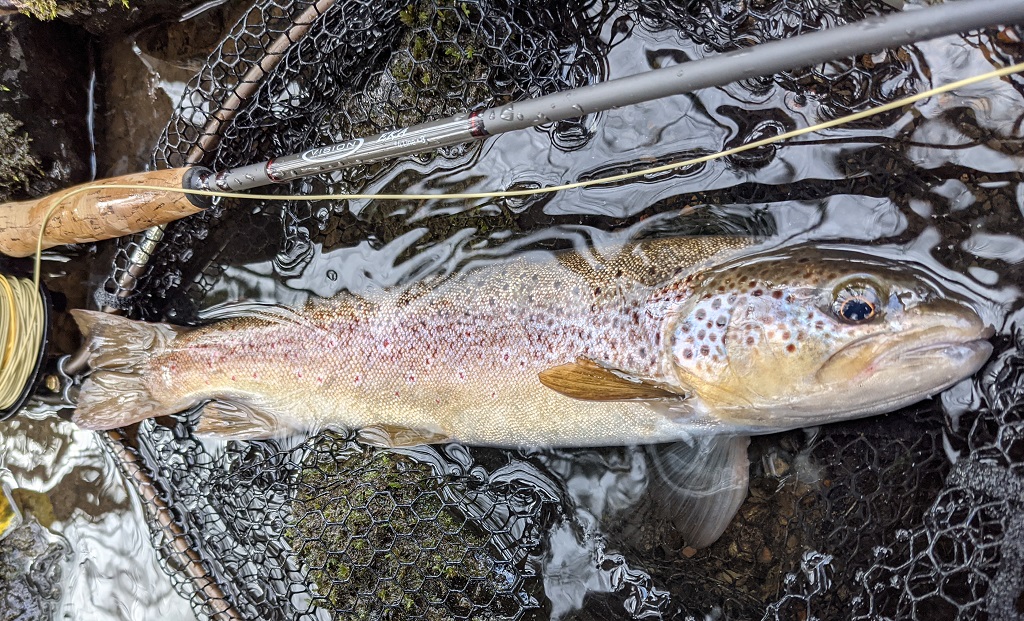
x=92, y=212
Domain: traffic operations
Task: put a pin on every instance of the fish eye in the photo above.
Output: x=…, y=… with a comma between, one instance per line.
x=857, y=302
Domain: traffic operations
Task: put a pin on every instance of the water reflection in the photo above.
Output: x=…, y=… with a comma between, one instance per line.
x=71, y=492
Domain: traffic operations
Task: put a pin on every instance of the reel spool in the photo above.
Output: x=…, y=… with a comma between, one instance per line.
x=25, y=312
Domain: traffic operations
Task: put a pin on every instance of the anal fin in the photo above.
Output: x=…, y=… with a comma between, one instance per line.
x=393, y=436
x=589, y=381
x=239, y=418
x=701, y=484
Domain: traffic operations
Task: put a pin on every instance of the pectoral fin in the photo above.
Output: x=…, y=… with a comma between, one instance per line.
x=239, y=418
x=702, y=483
x=589, y=381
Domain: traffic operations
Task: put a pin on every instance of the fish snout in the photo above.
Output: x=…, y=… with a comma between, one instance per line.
x=947, y=333
x=950, y=320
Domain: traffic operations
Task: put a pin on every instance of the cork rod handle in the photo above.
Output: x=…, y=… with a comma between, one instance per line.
x=93, y=212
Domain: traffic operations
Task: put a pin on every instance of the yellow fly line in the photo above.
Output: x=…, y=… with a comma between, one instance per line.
x=895, y=105
x=21, y=330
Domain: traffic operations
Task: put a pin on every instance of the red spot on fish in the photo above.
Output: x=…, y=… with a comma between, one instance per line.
x=233, y=378
x=254, y=376
x=750, y=340
x=386, y=342
x=777, y=294
x=791, y=348
x=396, y=393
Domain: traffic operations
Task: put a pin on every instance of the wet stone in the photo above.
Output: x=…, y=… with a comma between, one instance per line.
x=44, y=140
x=104, y=17
x=32, y=563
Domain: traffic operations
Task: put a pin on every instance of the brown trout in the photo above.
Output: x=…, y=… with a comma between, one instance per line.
x=703, y=339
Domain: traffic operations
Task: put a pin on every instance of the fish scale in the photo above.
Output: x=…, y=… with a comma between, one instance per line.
x=649, y=342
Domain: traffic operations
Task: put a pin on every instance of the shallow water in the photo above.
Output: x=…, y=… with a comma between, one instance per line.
x=941, y=186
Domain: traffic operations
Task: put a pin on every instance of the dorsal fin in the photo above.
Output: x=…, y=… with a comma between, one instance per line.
x=589, y=381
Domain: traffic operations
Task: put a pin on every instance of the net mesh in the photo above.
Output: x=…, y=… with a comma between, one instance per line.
x=869, y=520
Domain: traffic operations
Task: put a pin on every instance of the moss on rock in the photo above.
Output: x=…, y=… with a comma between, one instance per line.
x=17, y=164
x=50, y=9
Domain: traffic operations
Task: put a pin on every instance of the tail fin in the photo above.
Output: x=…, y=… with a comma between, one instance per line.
x=116, y=392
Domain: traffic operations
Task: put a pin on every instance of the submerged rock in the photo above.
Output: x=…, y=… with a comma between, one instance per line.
x=32, y=563
x=101, y=17
x=44, y=135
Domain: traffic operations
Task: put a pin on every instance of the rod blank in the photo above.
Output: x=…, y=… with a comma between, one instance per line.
x=863, y=37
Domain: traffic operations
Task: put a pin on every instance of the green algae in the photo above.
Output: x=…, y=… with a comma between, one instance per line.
x=380, y=538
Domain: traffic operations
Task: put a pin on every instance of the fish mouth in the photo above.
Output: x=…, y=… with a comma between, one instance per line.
x=953, y=344
x=953, y=347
